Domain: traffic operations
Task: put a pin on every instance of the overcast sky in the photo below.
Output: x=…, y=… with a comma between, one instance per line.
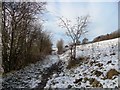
x=103, y=17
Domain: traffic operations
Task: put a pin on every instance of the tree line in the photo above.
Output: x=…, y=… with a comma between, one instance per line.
x=23, y=39
x=115, y=34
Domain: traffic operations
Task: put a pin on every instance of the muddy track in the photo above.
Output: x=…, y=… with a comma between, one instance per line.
x=47, y=73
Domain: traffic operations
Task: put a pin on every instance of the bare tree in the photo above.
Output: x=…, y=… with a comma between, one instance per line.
x=19, y=32
x=75, y=30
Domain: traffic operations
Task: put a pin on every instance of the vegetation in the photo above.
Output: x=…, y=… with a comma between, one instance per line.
x=74, y=63
x=112, y=35
x=85, y=41
x=60, y=46
x=111, y=73
x=75, y=31
x=23, y=39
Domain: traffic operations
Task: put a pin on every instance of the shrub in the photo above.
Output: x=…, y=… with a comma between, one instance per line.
x=111, y=73
x=85, y=41
x=115, y=34
x=75, y=62
x=60, y=46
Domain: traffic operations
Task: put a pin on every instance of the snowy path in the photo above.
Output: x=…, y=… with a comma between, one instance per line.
x=34, y=75
x=48, y=72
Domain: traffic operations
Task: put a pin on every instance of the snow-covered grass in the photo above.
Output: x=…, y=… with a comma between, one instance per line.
x=103, y=56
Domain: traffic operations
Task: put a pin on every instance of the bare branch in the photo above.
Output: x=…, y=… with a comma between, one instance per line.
x=66, y=25
x=75, y=31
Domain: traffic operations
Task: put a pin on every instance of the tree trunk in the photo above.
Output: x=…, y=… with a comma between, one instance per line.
x=74, y=50
x=71, y=48
x=5, y=58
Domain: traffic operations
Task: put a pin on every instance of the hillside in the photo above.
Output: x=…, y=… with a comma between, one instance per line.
x=99, y=69
x=112, y=35
x=97, y=66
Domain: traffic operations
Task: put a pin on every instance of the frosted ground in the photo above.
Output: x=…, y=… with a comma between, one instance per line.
x=101, y=58
x=30, y=76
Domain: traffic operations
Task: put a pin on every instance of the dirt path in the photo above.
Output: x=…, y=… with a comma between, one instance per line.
x=57, y=67
x=33, y=76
